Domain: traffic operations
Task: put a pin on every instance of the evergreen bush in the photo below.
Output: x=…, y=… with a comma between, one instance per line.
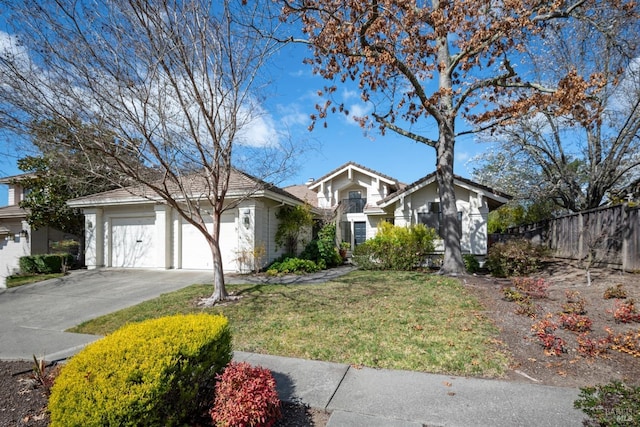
x=157, y=372
x=28, y=265
x=395, y=248
x=323, y=250
x=471, y=263
x=44, y=264
x=292, y=265
x=612, y=404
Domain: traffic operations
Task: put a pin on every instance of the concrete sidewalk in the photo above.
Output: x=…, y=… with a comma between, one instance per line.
x=386, y=398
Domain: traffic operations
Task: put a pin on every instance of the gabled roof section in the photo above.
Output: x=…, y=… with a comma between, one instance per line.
x=194, y=185
x=355, y=166
x=13, y=212
x=498, y=198
x=16, y=178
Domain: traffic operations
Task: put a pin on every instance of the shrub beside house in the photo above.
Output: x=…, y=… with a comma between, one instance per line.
x=17, y=238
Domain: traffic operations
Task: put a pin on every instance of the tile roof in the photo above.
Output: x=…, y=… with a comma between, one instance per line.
x=194, y=185
x=432, y=177
x=10, y=179
x=302, y=192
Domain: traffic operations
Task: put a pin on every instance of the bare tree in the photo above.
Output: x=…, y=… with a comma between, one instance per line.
x=576, y=154
x=174, y=83
x=436, y=61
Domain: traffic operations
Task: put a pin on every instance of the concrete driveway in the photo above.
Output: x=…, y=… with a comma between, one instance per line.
x=33, y=317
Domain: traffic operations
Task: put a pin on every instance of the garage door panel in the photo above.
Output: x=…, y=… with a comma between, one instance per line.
x=196, y=253
x=133, y=242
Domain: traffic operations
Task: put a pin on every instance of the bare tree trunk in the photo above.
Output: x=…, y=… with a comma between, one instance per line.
x=452, y=263
x=219, y=290
x=446, y=117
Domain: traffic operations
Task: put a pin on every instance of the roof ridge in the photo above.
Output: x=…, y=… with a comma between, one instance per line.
x=358, y=165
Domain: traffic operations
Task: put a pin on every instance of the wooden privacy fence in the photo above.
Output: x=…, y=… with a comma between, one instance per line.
x=608, y=235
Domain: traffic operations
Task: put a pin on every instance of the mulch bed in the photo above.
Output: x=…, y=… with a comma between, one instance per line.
x=570, y=368
x=24, y=402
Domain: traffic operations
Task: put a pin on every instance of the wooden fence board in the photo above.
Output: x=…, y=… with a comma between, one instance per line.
x=609, y=235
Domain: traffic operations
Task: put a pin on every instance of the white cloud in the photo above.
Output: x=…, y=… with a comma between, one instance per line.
x=259, y=129
x=628, y=90
x=357, y=110
x=350, y=94
x=292, y=115
x=11, y=49
x=299, y=73
x=462, y=156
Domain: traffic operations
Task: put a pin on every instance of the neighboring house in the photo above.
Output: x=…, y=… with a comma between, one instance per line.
x=362, y=198
x=17, y=239
x=128, y=228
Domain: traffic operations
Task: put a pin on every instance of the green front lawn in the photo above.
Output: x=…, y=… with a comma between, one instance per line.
x=25, y=279
x=394, y=320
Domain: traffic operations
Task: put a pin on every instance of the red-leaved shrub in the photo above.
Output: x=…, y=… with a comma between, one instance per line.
x=575, y=322
x=592, y=347
x=246, y=396
x=628, y=342
x=535, y=288
x=626, y=312
x=544, y=330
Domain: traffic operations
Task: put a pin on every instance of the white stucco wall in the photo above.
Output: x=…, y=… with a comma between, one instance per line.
x=336, y=188
x=240, y=238
x=471, y=204
x=13, y=246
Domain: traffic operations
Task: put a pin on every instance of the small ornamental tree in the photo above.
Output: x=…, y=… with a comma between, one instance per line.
x=323, y=250
x=176, y=85
x=294, y=220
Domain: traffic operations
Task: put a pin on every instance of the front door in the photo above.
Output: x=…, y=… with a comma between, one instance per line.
x=359, y=232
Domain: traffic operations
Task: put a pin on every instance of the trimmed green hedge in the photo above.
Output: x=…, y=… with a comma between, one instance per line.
x=157, y=372
x=44, y=264
x=292, y=265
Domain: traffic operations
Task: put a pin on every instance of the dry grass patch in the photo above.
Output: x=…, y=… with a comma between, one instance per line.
x=395, y=320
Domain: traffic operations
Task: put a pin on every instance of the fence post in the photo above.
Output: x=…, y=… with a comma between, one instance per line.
x=581, y=232
x=628, y=233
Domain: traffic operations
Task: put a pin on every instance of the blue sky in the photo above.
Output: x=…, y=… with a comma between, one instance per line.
x=291, y=97
x=294, y=96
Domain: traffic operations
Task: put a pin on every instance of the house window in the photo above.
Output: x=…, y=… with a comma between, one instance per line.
x=433, y=218
x=355, y=203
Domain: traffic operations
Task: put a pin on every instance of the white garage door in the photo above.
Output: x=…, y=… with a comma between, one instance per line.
x=196, y=253
x=133, y=242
